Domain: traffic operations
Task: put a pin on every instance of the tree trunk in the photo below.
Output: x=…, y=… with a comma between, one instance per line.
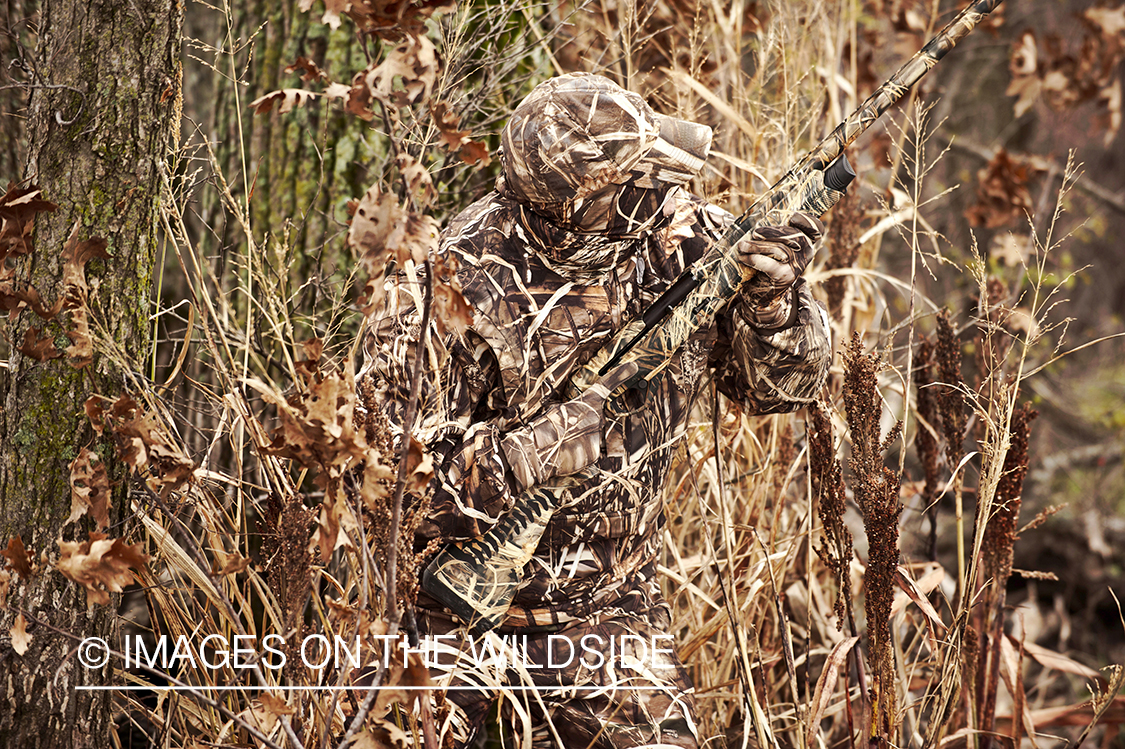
x=15, y=29
x=96, y=155
x=301, y=167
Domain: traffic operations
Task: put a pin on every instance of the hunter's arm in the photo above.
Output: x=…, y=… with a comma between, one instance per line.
x=772, y=372
x=471, y=488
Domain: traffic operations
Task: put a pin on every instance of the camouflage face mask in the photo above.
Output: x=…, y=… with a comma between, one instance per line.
x=590, y=164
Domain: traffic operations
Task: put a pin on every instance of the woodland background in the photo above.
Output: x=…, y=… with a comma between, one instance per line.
x=204, y=199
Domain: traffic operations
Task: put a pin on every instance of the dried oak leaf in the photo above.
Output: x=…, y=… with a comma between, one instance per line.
x=317, y=423
x=38, y=347
x=337, y=91
x=21, y=640
x=392, y=19
x=419, y=468
x=383, y=735
x=378, y=482
x=1023, y=65
x=416, y=178
x=286, y=99
x=18, y=207
x=95, y=412
x=447, y=122
x=382, y=230
x=402, y=683
x=15, y=296
x=146, y=447
x=458, y=141
x=101, y=564
x=5, y=583
x=16, y=555
x=332, y=11
x=228, y=564
x=334, y=527
x=414, y=64
x=475, y=152
x=1110, y=97
x=1002, y=192
x=75, y=255
x=1110, y=20
x=308, y=69
x=89, y=489
x=264, y=712
x=1011, y=249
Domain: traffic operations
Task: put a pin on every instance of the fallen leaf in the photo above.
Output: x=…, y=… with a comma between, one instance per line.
x=20, y=638
x=38, y=347
x=1057, y=661
x=1110, y=96
x=332, y=11
x=16, y=555
x=286, y=99
x=100, y=564
x=94, y=412
x=419, y=184
x=75, y=255
x=1024, y=59
x=89, y=489
x=1003, y=193
x=145, y=446
x=447, y=122
x=413, y=64
x=18, y=207
x=473, y=152
x=1013, y=250
x=1111, y=20
x=229, y=564
x=382, y=230
x=259, y=716
x=337, y=91
x=1023, y=65
x=384, y=735
x=5, y=583
x=308, y=69
x=419, y=467
x=392, y=19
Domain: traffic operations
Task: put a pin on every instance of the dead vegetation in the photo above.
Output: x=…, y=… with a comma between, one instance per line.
x=263, y=503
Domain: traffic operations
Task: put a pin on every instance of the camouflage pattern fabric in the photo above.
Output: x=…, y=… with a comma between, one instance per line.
x=549, y=281
x=608, y=681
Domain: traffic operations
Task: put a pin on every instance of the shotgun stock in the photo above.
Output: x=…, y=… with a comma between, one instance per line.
x=477, y=579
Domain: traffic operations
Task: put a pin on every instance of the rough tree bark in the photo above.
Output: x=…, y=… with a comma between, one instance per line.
x=96, y=155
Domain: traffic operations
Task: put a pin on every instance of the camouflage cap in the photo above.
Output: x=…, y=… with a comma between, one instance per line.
x=576, y=134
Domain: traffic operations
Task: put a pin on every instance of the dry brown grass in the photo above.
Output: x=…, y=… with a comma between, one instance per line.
x=270, y=536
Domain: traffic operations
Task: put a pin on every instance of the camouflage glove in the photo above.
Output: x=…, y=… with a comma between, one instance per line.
x=780, y=254
x=565, y=439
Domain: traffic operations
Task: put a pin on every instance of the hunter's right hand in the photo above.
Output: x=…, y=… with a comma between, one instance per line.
x=566, y=438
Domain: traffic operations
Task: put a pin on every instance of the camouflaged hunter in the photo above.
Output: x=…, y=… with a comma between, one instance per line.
x=589, y=224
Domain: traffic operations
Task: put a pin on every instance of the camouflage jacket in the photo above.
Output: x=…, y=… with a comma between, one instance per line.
x=534, y=321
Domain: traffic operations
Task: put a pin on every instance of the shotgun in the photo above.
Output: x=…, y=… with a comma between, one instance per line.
x=478, y=578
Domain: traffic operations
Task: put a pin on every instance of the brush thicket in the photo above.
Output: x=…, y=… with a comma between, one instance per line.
x=299, y=521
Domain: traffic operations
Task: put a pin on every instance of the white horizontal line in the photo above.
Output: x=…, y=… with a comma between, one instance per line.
x=136, y=688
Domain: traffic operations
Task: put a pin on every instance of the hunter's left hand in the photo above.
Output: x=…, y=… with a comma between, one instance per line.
x=780, y=255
